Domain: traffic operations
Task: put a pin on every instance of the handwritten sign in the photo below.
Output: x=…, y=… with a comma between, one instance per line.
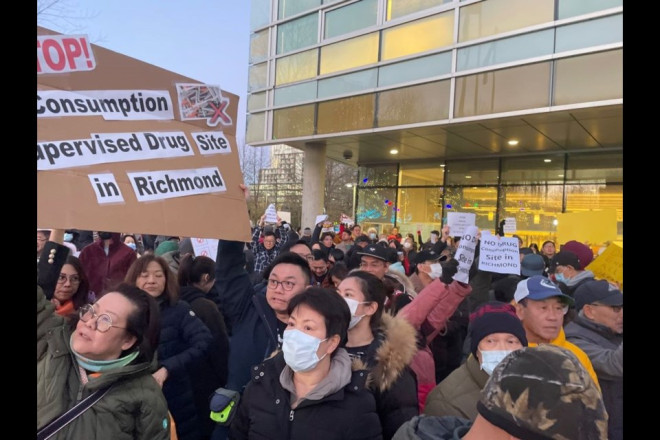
x=320, y=218
x=459, y=222
x=271, y=214
x=499, y=254
x=206, y=247
x=465, y=254
x=510, y=225
x=609, y=264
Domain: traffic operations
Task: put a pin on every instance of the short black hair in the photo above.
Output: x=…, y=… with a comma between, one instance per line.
x=290, y=258
x=320, y=255
x=328, y=304
x=289, y=244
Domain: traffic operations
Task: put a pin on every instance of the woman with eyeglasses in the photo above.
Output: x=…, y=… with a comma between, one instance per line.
x=72, y=288
x=183, y=343
x=385, y=345
x=111, y=348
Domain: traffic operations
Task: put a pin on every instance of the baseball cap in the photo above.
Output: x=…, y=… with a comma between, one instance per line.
x=538, y=288
x=544, y=392
x=565, y=258
x=374, y=250
x=429, y=255
x=532, y=264
x=597, y=291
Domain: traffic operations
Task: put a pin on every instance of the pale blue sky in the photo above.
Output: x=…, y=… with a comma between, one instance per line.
x=206, y=40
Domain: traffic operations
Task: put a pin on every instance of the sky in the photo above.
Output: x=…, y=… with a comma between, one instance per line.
x=206, y=40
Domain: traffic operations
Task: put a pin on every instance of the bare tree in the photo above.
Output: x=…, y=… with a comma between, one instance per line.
x=338, y=195
x=253, y=160
x=66, y=17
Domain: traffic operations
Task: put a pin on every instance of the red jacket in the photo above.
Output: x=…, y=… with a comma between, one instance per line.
x=103, y=270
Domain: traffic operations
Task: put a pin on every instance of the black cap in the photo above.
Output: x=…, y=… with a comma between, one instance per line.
x=374, y=250
x=429, y=255
x=597, y=291
x=565, y=258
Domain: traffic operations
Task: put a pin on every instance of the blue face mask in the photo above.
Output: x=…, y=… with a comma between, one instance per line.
x=372, y=236
x=491, y=358
x=560, y=278
x=132, y=246
x=68, y=236
x=300, y=350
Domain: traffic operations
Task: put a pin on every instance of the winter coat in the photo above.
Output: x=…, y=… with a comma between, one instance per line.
x=103, y=271
x=434, y=428
x=184, y=340
x=459, y=393
x=134, y=408
x=265, y=409
x=211, y=372
x=253, y=322
x=605, y=350
x=390, y=378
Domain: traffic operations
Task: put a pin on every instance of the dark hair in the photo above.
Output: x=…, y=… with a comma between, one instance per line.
x=392, y=256
x=337, y=254
x=320, y=255
x=548, y=241
x=355, y=226
x=326, y=234
x=289, y=244
x=339, y=270
x=79, y=297
x=436, y=232
x=129, y=235
x=331, y=306
x=290, y=258
x=171, y=291
x=143, y=323
x=191, y=269
x=373, y=289
x=268, y=233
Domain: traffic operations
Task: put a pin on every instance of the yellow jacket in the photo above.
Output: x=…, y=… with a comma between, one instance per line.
x=561, y=341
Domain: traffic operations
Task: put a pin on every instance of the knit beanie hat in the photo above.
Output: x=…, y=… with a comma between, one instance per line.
x=543, y=393
x=166, y=246
x=494, y=317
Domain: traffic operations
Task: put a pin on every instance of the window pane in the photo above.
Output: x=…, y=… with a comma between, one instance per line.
x=296, y=67
x=256, y=123
x=504, y=90
x=571, y=8
x=258, y=46
x=292, y=7
x=259, y=13
x=481, y=201
x=346, y=114
x=256, y=101
x=535, y=209
x=506, y=50
x=419, y=209
x=386, y=175
x=297, y=93
x=493, y=17
x=399, y=8
x=351, y=18
x=353, y=82
x=422, y=174
x=595, y=168
x=425, y=67
x=258, y=76
x=373, y=211
x=425, y=102
x=351, y=53
x=529, y=170
x=297, y=34
x=590, y=33
x=293, y=122
x=586, y=78
x=418, y=36
x=596, y=198
x=480, y=172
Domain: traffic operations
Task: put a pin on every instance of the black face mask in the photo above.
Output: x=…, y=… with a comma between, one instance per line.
x=105, y=235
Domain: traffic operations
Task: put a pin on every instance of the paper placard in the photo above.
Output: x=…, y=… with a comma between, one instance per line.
x=207, y=247
x=271, y=214
x=285, y=216
x=465, y=253
x=510, y=225
x=320, y=218
x=499, y=254
x=459, y=222
x=343, y=218
x=609, y=264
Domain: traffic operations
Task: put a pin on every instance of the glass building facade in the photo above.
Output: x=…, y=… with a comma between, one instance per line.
x=344, y=71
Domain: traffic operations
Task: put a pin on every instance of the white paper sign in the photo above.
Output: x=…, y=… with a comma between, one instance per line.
x=510, y=225
x=346, y=220
x=207, y=247
x=285, y=216
x=459, y=222
x=158, y=185
x=271, y=214
x=465, y=253
x=499, y=254
x=320, y=218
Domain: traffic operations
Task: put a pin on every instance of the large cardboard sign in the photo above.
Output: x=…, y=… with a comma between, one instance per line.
x=118, y=150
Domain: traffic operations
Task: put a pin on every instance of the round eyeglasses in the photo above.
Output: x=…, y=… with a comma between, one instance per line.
x=103, y=321
x=286, y=285
x=73, y=279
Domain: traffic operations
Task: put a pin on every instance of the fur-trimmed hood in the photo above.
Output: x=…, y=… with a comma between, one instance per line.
x=398, y=345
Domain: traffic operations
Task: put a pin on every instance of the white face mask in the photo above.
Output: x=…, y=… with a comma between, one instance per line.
x=300, y=350
x=352, y=306
x=407, y=245
x=436, y=271
x=434, y=238
x=491, y=358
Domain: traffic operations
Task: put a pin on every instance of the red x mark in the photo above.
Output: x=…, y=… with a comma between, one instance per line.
x=219, y=113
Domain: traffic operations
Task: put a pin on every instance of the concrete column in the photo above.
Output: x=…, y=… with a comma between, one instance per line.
x=313, y=194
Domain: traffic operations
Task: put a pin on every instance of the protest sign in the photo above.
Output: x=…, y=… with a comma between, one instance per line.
x=271, y=214
x=285, y=216
x=115, y=152
x=499, y=254
x=459, y=222
x=609, y=264
x=465, y=253
x=206, y=247
x=343, y=218
x=320, y=218
x=510, y=225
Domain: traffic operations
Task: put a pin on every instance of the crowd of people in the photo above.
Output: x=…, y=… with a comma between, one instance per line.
x=358, y=335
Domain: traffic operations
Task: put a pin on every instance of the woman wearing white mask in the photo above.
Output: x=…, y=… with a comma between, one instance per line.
x=494, y=331
x=384, y=345
x=309, y=389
